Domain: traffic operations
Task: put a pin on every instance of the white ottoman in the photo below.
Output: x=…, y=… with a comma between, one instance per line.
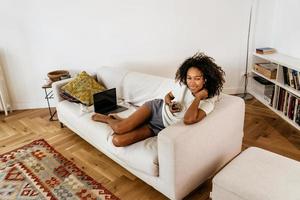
x=257, y=174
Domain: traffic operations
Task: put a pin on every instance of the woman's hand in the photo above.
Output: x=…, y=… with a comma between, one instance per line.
x=202, y=94
x=173, y=106
x=168, y=101
x=168, y=98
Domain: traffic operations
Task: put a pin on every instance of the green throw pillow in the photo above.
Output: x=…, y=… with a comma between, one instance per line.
x=83, y=87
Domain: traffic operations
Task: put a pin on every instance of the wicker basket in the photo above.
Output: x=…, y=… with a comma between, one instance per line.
x=57, y=74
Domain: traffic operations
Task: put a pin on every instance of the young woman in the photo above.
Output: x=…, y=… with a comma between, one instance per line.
x=200, y=81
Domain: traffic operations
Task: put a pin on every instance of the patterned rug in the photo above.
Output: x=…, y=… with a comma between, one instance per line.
x=37, y=171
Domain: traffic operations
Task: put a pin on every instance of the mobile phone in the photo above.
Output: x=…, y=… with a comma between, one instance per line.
x=176, y=106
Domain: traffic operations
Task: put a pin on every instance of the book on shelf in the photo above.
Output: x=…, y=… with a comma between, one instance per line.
x=269, y=70
x=295, y=109
x=275, y=98
x=268, y=66
x=264, y=88
x=285, y=75
x=262, y=80
x=297, y=118
x=296, y=80
x=291, y=107
x=280, y=97
x=265, y=50
x=291, y=78
x=285, y=105
x=269, y=93
x=288, y=104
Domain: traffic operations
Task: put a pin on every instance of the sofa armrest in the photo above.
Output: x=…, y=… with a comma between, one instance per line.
x=190, y=154
x=56, y=89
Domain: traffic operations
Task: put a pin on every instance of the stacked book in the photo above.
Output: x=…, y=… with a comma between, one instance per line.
x=264, y=88
x=265, y=50
x=291, y=77
x=288, y=104
x=269, y=70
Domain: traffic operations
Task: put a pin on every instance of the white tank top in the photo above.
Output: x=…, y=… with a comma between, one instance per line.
x=185, y=97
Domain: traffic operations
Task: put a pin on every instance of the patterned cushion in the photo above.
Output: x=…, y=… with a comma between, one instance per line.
x=83, y=87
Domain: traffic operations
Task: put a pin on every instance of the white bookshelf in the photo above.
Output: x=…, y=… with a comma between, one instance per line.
x=280, y=60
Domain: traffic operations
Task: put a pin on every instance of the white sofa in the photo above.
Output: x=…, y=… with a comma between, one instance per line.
x=182, y=156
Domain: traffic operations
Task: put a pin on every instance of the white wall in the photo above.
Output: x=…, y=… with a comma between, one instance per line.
x=287, y=27
x=149, y=36
x=278, y=26
x=263, y=23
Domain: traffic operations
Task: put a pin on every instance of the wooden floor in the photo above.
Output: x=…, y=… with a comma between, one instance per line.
x=263, y=128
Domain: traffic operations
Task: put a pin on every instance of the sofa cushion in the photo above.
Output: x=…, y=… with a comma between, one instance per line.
x=83, y=87
x=112, y=78
x=141, y=156
x=139, y=87
x=81, y=123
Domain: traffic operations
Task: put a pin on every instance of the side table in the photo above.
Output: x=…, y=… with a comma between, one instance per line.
x=49, y=95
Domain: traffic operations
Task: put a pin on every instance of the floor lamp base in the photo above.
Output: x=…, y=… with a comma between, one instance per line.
x=245, y=96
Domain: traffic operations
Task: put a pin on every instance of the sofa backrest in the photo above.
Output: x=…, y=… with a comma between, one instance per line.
x=112, y=78
x=135, y=87
x=139, y=87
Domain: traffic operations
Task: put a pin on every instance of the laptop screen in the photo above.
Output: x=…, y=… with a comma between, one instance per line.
x=105, y=101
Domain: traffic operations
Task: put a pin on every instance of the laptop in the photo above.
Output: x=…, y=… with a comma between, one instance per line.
x=105, y=102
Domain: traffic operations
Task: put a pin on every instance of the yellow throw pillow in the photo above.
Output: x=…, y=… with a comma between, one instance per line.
x=83, y=87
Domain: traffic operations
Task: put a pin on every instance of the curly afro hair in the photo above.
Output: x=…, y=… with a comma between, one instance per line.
x=213, y=74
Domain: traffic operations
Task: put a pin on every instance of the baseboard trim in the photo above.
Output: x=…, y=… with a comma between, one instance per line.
x=29, y=105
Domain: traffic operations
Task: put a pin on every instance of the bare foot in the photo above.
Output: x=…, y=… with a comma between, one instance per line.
x=100, y=118
x=115, y=116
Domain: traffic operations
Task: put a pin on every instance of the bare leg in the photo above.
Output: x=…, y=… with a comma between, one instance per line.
x=131, y=137
x=136, y=119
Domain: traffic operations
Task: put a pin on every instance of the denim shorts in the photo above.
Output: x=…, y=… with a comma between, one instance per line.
x=155, y=122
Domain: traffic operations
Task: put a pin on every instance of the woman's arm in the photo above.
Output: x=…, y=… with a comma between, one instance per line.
x=194, y=114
